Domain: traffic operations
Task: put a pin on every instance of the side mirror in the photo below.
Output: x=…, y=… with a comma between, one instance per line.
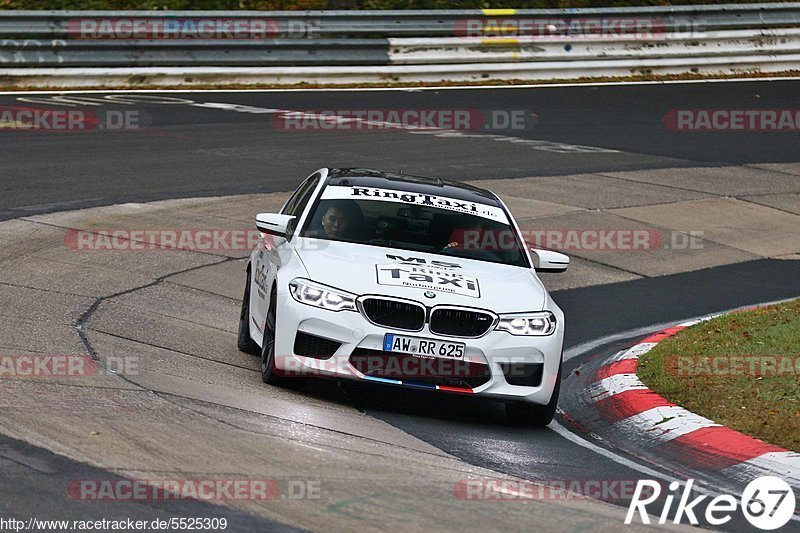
x=273, y=223
x=549, y=261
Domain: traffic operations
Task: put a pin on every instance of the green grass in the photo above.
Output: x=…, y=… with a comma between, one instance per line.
x=762, y=404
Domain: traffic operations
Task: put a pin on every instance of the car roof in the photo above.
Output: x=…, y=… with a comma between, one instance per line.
x=365, y=177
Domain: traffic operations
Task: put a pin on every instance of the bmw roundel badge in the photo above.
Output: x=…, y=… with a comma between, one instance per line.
x=430, y=294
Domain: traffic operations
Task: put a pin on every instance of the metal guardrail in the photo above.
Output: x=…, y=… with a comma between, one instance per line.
x=721, y=44
x=416, y=23
x=400, y=45
x=167, y=53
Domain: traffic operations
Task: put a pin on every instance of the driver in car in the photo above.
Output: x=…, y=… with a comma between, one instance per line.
x=339, y=219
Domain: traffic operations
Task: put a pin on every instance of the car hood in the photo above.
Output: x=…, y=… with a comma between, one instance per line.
x=365, y=269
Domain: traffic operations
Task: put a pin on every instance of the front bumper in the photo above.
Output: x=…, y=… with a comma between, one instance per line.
x=496, y=349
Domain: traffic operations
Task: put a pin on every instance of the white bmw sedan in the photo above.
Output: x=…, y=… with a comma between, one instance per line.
x=408, y=281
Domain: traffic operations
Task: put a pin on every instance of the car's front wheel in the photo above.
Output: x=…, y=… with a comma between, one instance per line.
x=526, y=414
x=268, y=371
x=246, y=343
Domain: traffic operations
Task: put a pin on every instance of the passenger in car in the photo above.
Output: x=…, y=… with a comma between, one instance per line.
x=468, y=228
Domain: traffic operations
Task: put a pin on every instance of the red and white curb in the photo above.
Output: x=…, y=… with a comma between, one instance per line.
x=631, y=411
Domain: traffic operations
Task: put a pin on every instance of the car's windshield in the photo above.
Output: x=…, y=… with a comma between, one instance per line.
x=412, y=221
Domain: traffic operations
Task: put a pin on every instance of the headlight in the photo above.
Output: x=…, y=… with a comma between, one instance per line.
x=311, y=293
x=538, y=324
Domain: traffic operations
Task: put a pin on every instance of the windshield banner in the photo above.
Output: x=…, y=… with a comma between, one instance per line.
x=336, y=192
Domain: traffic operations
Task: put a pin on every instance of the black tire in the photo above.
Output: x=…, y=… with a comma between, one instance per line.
x=526, y=414
x=246, y=343
x=268, y=371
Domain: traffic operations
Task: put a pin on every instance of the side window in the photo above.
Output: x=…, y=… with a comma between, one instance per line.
x=288, y=208
x=299, y=201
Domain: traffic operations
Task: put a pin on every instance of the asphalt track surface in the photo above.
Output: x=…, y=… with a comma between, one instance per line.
x=195, y=151
x=32, y=476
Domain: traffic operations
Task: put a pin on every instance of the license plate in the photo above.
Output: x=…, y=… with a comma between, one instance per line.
x=422, y=347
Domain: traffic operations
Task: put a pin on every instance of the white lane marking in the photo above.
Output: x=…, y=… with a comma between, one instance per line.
x=582, y=348
x=703, y=319
x=304, y=115
x=418, y=89
x=634, y=352
x=575, y=439
x=113, y=99
x=659, y=425
x=701, y=485
x=588, y=346
x=536, y=144
x=738, y=472
x=614, y=358
x=613, y=385
x=785, y=465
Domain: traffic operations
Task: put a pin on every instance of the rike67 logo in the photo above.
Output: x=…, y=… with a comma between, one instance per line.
x=768, y=503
